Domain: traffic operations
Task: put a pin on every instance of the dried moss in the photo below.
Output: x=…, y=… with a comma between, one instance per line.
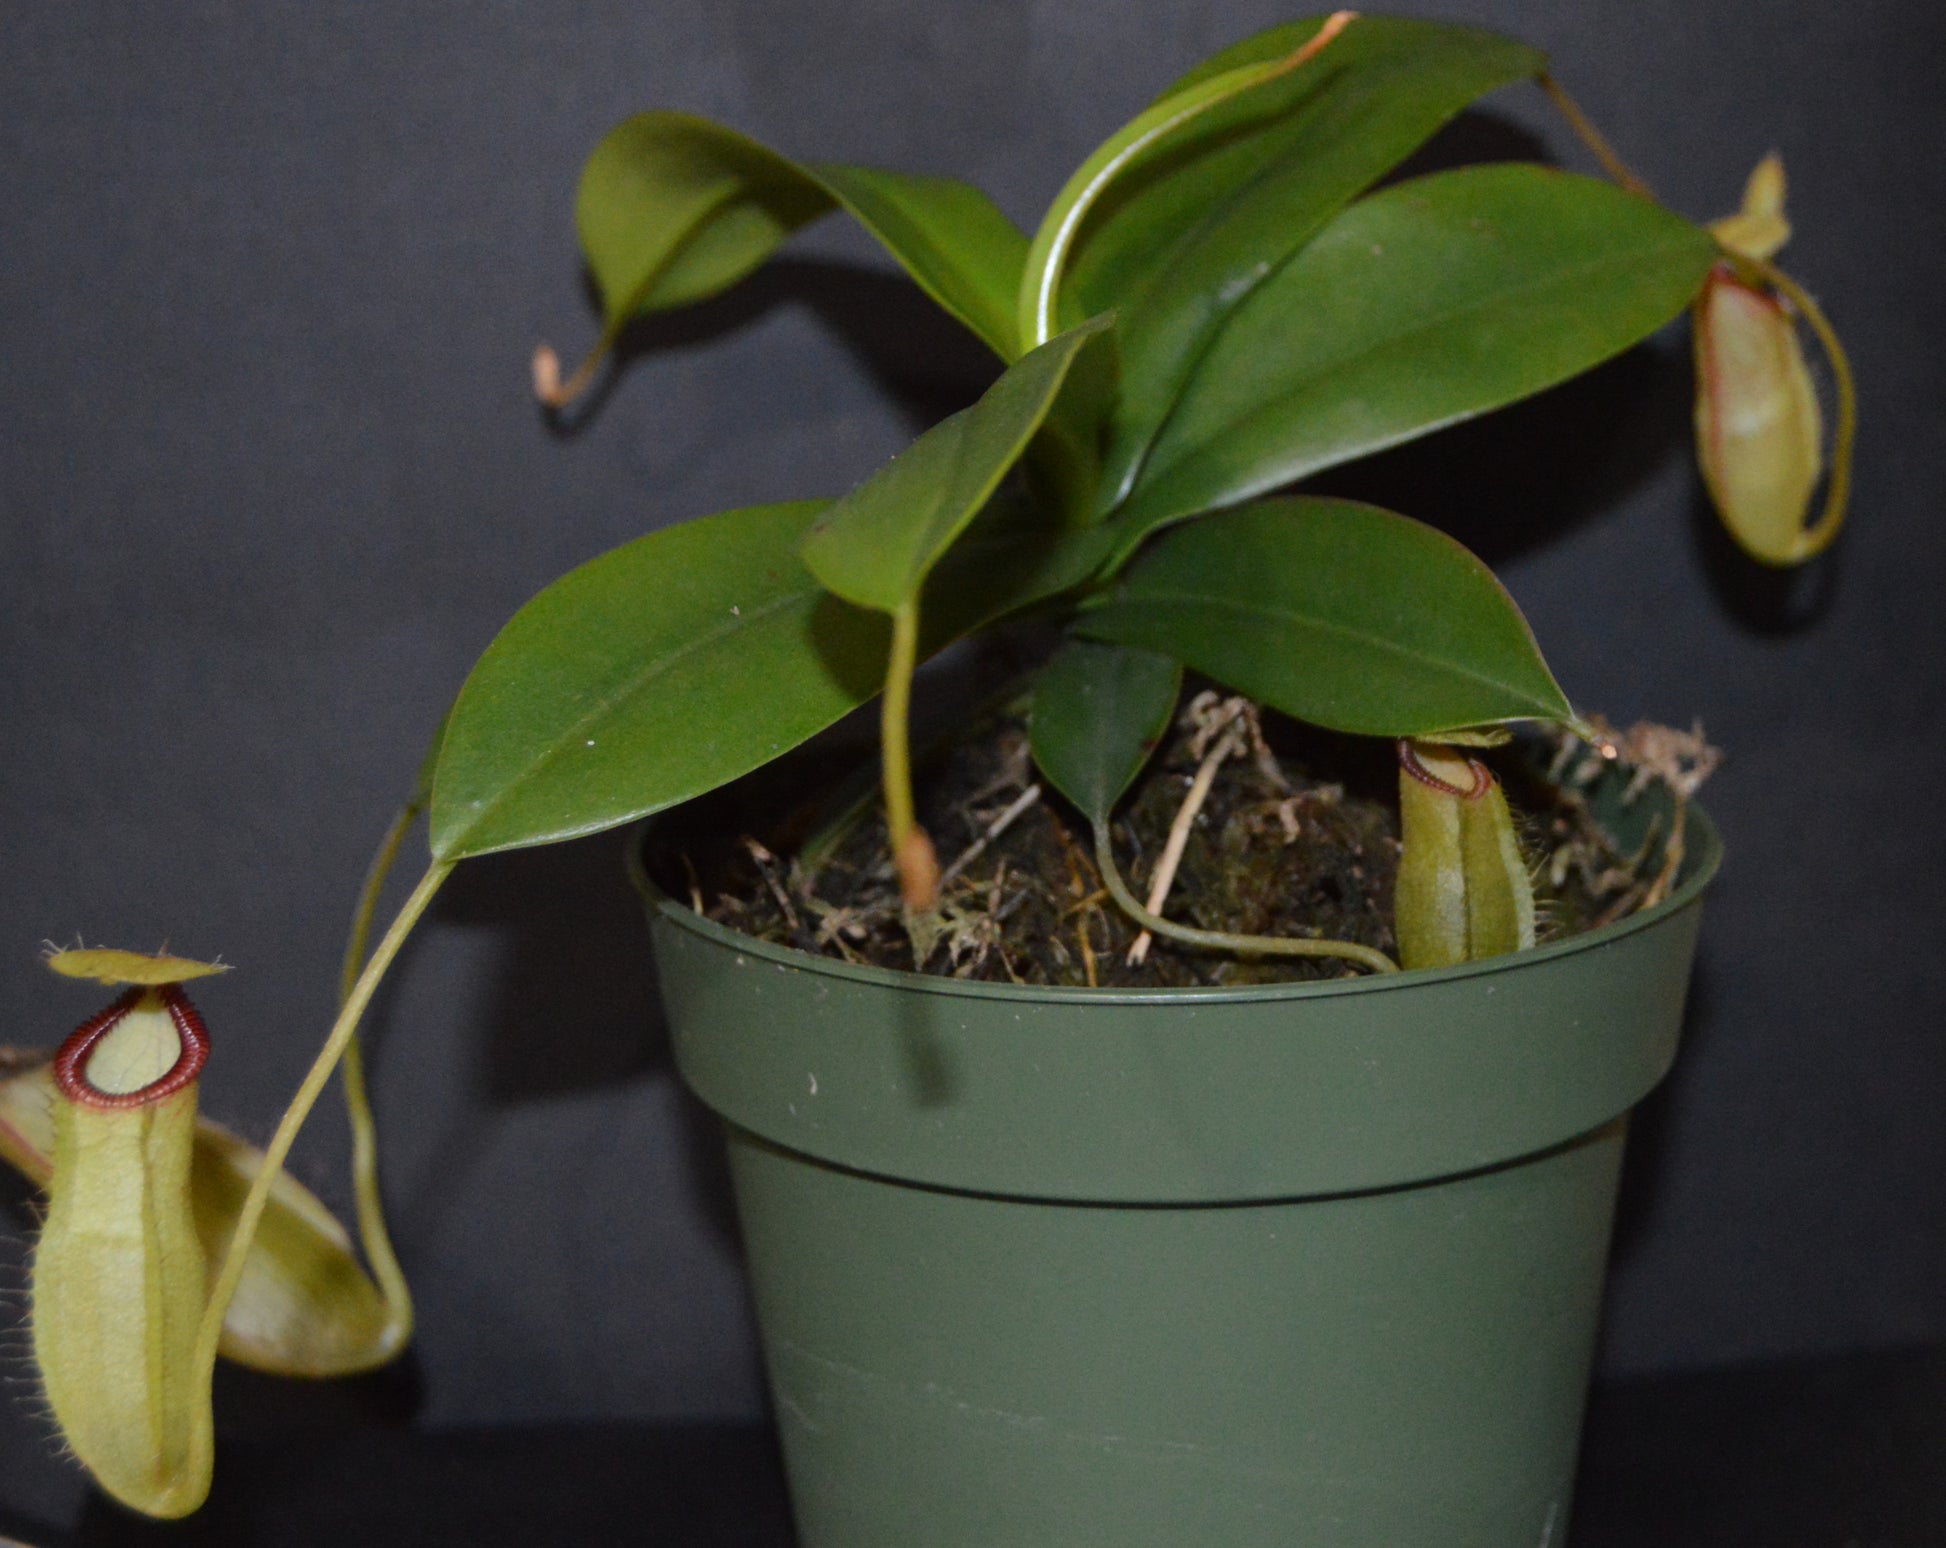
x=1298, y=836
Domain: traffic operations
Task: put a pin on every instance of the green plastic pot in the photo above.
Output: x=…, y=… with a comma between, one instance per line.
x=1280, y=1266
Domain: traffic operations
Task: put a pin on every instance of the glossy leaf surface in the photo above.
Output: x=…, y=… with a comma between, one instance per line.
x=1009, y=559
x=1185, y=236
x=876, y=546
x=649, y=675
x=1151, y=134
x=1421, y=305
x=1099, y=711
x=948, y=235
x=673, y=664
x=1342, y=614
x=674, y=208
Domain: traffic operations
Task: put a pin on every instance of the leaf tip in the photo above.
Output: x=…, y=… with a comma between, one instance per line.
x=553, y=393
x=547, y=376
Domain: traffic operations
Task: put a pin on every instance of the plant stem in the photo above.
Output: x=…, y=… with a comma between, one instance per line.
x=278, y=1150
x=373, y=1235
x=1593, y=138
x=895, y=716
x=376, y=874
x=911, y=847
x=372, y=1231
x=1222, y=940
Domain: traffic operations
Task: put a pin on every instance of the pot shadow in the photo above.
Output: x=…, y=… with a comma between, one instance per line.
x=1652, y=1128
x=926, y=362
x=572, y=1003
x=19, y=1529
x=932, y=1076
x=698, y=1484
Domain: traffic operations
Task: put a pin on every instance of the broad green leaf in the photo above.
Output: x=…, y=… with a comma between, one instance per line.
x=1339, y=613
x=1063, y=462
x=1183, y=238
x=1009, y=560
x=948, y=235
x=1421, y=305
x=876, y=546
x=674, y=208
x=652, y=674
x=1099, y=711
x=676, y=662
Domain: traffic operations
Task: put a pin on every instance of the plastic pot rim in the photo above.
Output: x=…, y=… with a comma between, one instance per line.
x=1700, y=867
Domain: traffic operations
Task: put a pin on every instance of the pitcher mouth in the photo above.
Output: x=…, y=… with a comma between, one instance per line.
x=71, y=1063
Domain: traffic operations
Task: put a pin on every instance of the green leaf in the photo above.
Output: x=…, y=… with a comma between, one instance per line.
x=1099, y=711
x=652, y=674
x=674, y=663
x=1010, y=559
x=673, y=208
x=1184, y=237
x=949, y=236
x=1041, y=309
x=876, y=546
x=1421, y=305
x=1341, y=614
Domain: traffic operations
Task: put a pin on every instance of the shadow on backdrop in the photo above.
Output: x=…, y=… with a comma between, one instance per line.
x=572, y=1003
x=1532, y=474
x=1768, y=602
x=926, y=363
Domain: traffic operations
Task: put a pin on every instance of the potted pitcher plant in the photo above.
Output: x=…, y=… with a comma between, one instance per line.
x=1150, y=1125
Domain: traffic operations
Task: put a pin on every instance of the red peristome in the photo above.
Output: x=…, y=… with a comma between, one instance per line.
x=1482, y=776
x=71, y=1062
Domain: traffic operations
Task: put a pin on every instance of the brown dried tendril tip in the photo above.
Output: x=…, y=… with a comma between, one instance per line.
x=71, y=1062
x=1410, y=762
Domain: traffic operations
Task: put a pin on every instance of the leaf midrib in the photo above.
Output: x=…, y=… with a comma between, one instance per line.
x=1338, y=363
x=628, y=688
x=1254, y=183
x=1150, y=594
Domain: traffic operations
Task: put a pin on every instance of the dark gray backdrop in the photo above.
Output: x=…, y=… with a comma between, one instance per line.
x=270, y=478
